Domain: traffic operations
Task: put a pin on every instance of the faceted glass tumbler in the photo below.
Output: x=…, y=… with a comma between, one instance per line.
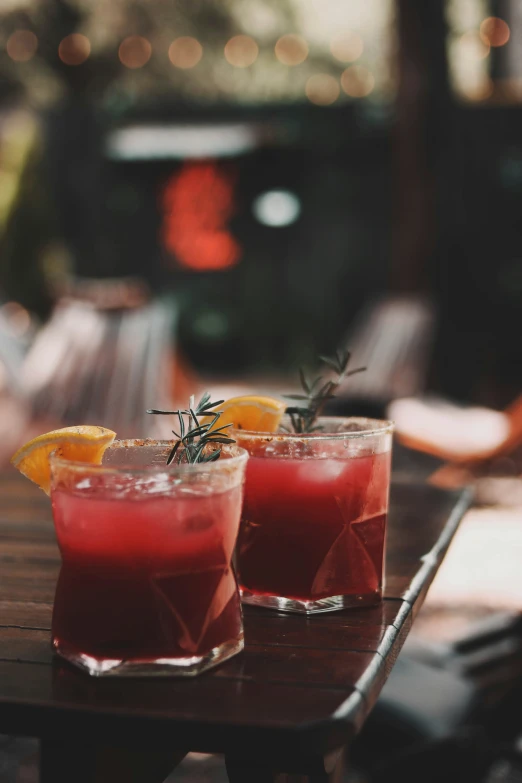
x=147, y=585
x=313, y=527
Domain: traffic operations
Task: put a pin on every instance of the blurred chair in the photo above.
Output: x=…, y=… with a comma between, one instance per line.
x=12, y=354
x=102, y=365
x=14, y=407
x=392, y=338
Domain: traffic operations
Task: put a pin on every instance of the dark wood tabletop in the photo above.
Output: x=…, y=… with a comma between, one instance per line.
x=290, y=703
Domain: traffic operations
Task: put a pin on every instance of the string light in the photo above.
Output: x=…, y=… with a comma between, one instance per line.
x=347, y=47
x=322, y=89
x=134, y=51
x=357, y=81
x=241, y=51
x=494, y=31
x=74, y=49
x=22, y=45
x=185, y=52
x=291, y=49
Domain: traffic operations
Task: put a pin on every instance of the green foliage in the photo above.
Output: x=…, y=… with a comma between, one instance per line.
x=316, y=394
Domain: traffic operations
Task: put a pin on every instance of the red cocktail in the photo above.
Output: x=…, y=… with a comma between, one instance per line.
x=314, y=517
x=147, y=585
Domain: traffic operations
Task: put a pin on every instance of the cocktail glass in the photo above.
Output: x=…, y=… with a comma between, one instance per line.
x=313, y=527
x=146, y=585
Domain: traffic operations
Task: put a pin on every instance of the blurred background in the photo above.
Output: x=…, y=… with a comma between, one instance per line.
x=277, y=178
x=210, y=193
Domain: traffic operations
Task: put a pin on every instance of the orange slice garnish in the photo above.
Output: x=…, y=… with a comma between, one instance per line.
x=84, y=443
x=261, y=414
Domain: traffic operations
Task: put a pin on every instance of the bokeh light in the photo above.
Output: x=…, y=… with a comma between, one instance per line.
x=471, y=46
x=347, y=47
x=16, y=317
x=291, y=49
x=494, y=31
x=74, y=49
x=322, y=89
x=479, y=92
x=357, y=81
x=134, y=51
x=185, y=52
x=276, y=208
x=241, y=51
x=21, y=45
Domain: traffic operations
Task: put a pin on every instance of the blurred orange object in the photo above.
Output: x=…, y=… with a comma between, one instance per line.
x=464, y=438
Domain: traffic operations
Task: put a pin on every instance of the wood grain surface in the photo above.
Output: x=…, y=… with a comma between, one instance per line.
x=302, y=687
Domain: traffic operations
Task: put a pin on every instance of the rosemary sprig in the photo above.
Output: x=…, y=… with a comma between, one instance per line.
x=316, y=394
x=194, y=437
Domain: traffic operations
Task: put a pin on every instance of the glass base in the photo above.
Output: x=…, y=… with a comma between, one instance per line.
x=159, y=667
x=330, y=604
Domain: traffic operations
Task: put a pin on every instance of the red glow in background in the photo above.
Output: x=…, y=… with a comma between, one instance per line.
x=197, y=204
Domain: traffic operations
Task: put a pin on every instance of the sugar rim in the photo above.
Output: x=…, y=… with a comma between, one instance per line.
x=378, y=427
x=239, y=456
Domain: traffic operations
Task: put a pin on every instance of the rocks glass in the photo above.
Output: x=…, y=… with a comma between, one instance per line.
x=146, y=585
x=313, y=527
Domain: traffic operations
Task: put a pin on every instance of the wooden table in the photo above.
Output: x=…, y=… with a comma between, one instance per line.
x=289, y=704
